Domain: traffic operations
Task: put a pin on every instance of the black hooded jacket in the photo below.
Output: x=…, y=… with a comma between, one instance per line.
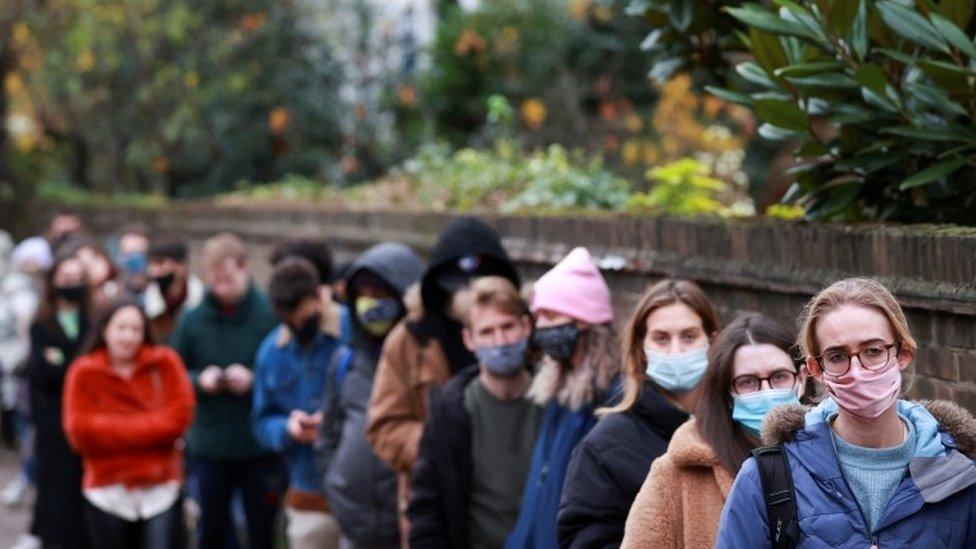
x=609, y=467
x=463, y=237
x=361, y=489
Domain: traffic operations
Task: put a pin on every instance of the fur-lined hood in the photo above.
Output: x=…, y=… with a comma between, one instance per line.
x=586, y=384
x=782, y=423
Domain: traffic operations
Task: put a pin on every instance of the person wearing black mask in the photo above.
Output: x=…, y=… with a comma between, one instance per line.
x=172, y=288
x=425, y=350
x=59, y=327
x=291, y=367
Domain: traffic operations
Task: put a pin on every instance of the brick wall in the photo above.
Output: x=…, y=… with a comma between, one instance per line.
x=763, y=266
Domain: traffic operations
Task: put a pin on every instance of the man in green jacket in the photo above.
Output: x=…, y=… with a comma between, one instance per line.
x=218, y=340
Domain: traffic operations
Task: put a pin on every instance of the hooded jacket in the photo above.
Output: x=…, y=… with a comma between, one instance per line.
x=425, y=349
x=682, y=498
x=608, y=468
x=933, y=506
x=361, y=489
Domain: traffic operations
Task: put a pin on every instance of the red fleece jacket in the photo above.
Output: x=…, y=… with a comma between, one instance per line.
x=129, y=430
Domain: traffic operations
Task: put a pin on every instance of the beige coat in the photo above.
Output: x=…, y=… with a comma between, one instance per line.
x=682, y=499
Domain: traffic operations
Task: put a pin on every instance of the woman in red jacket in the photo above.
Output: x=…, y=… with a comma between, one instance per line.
x=127, y=404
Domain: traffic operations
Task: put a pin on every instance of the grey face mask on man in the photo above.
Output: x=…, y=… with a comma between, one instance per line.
x=503, y=360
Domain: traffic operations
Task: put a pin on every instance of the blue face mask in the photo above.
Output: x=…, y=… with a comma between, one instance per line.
x=135, y=263
x=677, y=373
x=749, y=410
x=503, y=360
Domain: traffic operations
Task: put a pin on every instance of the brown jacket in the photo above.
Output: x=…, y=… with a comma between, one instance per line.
x=682, y=498
x=398, y=404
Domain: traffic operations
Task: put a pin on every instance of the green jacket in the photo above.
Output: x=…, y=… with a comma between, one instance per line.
x=205, y=335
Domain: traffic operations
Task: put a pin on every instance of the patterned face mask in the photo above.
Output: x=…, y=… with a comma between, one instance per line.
x=378, y=316
x=558, y=342
x=503, y=360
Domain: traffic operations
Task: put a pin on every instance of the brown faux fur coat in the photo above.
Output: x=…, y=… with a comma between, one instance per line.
x=682, y=498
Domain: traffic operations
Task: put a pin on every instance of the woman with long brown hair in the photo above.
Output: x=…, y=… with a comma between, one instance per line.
x=751, y=368
x=664, y=346
x=59, y=327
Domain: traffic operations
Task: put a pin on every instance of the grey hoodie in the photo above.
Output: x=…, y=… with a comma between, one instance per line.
x=361, y=489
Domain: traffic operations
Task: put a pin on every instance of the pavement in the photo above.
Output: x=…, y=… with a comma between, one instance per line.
x=13, y=521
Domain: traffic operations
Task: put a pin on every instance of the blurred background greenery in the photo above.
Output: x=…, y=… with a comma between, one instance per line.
x=829, y=109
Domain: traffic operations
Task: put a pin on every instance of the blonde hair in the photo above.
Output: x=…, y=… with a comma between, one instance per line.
x=663, y=293
x=223, y=246
x=863, y=292
x=496, y=292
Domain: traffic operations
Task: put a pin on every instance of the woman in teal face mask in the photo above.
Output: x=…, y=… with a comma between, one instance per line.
x=752, y=367
x=665, y=344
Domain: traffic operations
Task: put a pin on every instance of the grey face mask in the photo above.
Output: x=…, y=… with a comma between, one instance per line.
x=503, y=360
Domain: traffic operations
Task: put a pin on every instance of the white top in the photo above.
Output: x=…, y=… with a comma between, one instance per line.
x=133, y=504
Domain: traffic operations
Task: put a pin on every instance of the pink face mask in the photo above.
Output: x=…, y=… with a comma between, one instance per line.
x=866, y=393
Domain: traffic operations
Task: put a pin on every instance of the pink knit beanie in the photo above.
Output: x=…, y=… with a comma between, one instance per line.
x=575, y=288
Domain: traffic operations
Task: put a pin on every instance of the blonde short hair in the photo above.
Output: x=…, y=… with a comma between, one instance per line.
x=863, y=292
x=223, y=246
x=496, y=292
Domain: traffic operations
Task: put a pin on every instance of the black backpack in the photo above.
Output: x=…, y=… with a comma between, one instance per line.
x=777, y=483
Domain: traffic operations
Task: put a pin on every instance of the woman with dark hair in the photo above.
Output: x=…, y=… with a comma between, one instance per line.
x=127, y=405
x=664, y=348
x=751, y=368
x=59, y=327
x=100, y=273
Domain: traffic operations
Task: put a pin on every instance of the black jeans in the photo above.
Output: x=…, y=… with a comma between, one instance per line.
x=166, y=530
x=262, y=483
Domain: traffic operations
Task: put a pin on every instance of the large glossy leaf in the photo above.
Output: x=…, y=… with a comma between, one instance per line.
x=954, y=35
x=933, y=173
x=754, y=15
x=755, y=74
x=824, y=80
x=910, y=24
x=681, y=13
x=782, y=114
x=872, y=77
x=729, y=95
x=934, y=97
x=808, y=69
x=767, y=49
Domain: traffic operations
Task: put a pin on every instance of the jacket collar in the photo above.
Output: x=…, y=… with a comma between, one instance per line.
x=688, y=449
x=240, y=312
x=942, y=464
x=659, y=413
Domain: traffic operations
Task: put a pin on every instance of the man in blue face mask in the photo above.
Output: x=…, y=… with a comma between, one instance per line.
x=477, y=444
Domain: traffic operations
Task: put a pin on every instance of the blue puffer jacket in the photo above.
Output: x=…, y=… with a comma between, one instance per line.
x=934, y=506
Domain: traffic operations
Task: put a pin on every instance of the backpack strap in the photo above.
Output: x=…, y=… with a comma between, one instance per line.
x=344, y=359
x=778, y=491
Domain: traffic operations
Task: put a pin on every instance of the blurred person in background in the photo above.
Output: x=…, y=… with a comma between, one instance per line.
x=127, y=405
x=59, y=328
x=217, y=341
x=172, y=289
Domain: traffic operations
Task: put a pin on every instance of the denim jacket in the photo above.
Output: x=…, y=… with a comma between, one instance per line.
x=290, y=377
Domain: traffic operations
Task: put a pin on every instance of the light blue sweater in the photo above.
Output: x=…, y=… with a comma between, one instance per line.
x=874, y=473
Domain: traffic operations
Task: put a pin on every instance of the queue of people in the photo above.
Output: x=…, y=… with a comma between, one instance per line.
x=446, y=405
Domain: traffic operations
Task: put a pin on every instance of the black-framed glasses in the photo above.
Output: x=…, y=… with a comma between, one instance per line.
x=837, y=362
x=780, y=379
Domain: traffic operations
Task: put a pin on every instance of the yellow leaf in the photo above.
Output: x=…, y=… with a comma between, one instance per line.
x=534, y=113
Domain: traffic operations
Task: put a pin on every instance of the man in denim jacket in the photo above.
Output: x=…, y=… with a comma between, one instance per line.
x=291, y=377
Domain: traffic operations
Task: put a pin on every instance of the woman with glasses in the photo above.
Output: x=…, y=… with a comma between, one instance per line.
x=868, y=469
x=664, y=347
x=751, y=369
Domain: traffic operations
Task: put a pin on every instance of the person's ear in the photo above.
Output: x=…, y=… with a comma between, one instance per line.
x=468, y=338
x=905, y=357
x=814, y=367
